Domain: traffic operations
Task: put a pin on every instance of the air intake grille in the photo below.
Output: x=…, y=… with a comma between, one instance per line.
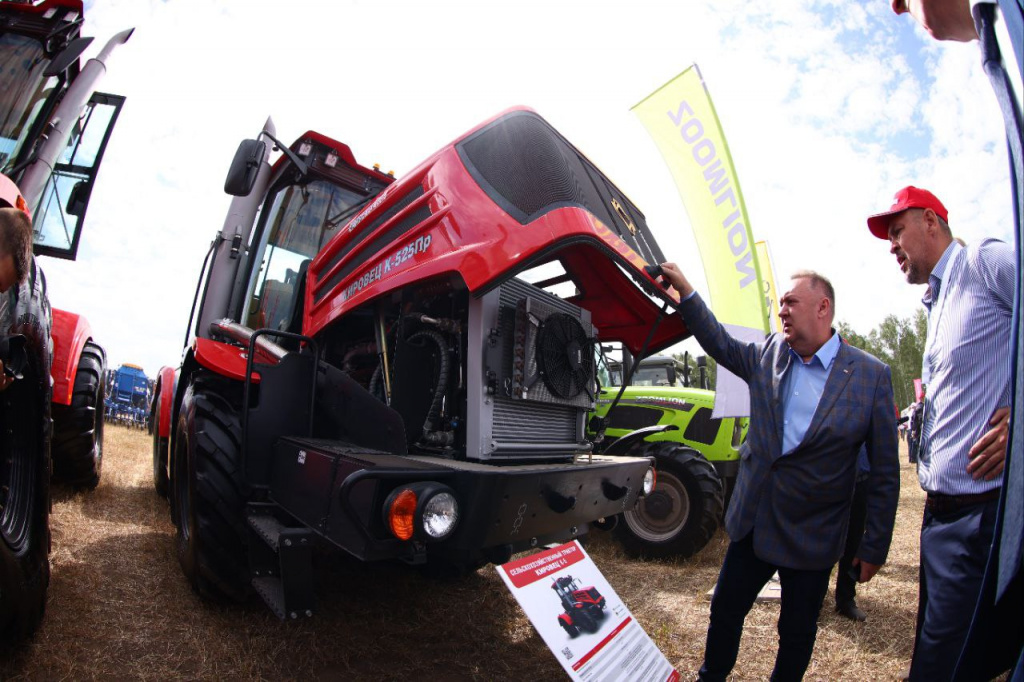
x=526, y=422
x=392, y=235
x=528, y=169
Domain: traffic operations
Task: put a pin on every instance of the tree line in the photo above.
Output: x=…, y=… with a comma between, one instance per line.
x=898, y=343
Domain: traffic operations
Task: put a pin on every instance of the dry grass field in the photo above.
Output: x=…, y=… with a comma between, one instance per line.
x=119, y=608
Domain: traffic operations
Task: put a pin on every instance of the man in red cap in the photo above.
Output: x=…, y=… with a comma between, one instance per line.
x=966, y=416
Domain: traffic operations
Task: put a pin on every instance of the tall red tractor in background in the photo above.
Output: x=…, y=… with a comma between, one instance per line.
x=54, y=129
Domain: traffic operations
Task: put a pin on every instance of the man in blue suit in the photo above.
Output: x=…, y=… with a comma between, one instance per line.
x=814, y=402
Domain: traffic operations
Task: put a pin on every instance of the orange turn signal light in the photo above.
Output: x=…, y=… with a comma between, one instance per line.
x=402, y=514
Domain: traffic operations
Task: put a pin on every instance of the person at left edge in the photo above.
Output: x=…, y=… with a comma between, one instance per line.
x=15, y=256
x=814, y=401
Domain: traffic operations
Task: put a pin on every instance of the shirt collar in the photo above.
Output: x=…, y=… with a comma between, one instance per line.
x=826, y=354
x=938, y=274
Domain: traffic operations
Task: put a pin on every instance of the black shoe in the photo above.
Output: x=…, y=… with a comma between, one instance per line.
x=849, y=609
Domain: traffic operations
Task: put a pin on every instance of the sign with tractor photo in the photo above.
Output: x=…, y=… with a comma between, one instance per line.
x=664, y=412
x=581, y=619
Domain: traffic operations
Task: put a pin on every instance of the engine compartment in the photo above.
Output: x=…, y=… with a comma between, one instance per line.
x=506, y=376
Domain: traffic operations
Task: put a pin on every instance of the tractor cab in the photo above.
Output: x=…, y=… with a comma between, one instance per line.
x=655, y=370
x=40, y=47
x=305, y=208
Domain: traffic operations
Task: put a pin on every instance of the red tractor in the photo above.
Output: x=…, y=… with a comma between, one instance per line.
x=584, y=606
x=54, y=129
x=402, y=368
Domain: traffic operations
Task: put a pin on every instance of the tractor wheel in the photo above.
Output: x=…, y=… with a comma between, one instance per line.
x=25, y=466
x=570, y=629
x=208, y=490
x=78, y=427
x=683, y=511
x=584, y=621
x=159, y=451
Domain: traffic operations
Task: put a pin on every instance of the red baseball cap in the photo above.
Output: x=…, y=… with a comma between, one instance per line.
x=10, y=195
x=908, y=197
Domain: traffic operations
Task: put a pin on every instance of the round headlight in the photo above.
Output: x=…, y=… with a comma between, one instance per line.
x=650, y=478
x=440, y=514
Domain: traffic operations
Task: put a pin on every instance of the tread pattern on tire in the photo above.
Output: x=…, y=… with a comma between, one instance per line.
x=214, y=555
x=25, y=568
x=78, y=427
x=707, y=503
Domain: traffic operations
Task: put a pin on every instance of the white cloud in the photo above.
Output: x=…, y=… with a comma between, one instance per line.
x=816, y=99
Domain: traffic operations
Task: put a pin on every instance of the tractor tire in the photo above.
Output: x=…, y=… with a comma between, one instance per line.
x=25, y=465
x=78, y=427
x=584, y=621
x=208, y=490
x=683, y=511
x=160, y=480
x=570, y=629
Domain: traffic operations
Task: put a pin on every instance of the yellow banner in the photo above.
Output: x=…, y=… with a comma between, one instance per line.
x=771, y=294
x=684, y=125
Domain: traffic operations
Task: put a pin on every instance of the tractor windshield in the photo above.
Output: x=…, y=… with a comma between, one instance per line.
x=23, y=93
x=299, y=221
x=652, y=376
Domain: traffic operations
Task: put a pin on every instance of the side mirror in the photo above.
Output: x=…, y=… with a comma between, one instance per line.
x=79, y=199
x=66, y=57
x=244, y=168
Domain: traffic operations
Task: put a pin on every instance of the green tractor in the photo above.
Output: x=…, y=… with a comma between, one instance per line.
x=697, y=457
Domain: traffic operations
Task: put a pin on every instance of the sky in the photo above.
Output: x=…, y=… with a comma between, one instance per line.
x=828, y=106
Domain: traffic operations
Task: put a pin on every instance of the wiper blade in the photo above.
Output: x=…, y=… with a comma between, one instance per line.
x=331, y=223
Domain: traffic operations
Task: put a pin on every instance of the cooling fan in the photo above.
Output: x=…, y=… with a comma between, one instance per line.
x=565, y=356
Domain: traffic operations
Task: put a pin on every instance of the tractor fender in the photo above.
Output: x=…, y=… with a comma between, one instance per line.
x=623, y=444
x=182, y=377
x=161, y=411
x=565, y=618
x=222, y=358
x=70, y=333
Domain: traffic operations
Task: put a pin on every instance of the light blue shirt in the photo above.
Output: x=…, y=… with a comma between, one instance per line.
x=804, y=384
x=966, y=360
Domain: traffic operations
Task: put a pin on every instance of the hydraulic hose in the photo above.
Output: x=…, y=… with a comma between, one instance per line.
x=442, y=378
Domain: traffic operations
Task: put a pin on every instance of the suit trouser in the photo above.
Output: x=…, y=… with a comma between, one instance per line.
x=954, y=551
x=741, y=578
x=846, y=586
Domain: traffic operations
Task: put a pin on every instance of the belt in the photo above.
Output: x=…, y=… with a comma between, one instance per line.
x=944, y=504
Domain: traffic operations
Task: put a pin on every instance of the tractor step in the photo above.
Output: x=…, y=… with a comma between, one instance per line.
x=280, y=563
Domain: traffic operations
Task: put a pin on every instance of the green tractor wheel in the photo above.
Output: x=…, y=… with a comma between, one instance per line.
x=683, y=511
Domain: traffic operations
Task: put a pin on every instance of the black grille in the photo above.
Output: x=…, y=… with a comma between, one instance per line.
x=632, y=418
x=36, y=25
x=524, y=310
x=702, y=428
x=521, y=421
x=529, y=169
x=410, y=221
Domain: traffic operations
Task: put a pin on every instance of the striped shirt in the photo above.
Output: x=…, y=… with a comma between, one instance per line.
x=966, y=360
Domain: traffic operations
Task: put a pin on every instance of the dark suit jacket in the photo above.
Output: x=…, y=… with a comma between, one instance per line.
x=798, y=506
